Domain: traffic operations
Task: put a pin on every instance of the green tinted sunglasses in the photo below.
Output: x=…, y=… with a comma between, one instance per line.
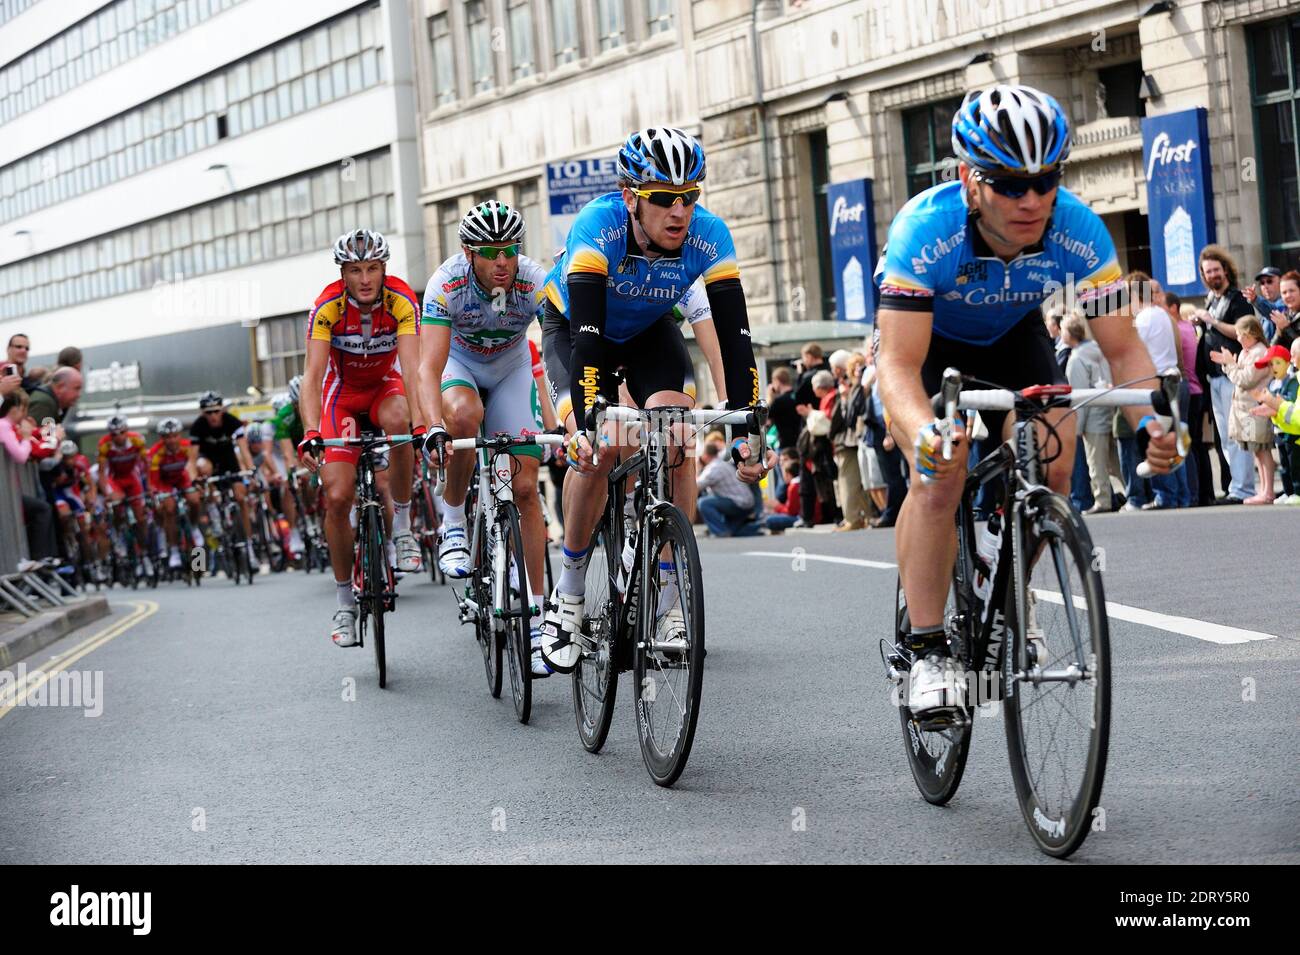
x=495, y=251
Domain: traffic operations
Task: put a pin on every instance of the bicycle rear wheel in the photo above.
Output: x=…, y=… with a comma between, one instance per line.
x=937, y=757
x=515, y=613
x=595, y=678
x=669, y=673
x=1058, y=732
x=376, y=583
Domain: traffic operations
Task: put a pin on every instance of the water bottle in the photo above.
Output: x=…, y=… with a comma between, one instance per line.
x=987, y=550
x=629, y=558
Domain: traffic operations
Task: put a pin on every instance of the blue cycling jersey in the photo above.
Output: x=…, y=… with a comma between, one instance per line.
x=638, y=292
x=936, y=261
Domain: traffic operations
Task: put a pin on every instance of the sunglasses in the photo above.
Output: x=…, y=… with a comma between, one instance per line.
x=495, y=251
x=665, y=199
x=1013, y=187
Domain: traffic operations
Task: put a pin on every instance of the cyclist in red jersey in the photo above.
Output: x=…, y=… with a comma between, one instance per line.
x=121, y=458
x=359, y=327
x=170, y=470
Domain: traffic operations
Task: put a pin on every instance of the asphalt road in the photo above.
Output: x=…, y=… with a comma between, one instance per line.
x=227, y=734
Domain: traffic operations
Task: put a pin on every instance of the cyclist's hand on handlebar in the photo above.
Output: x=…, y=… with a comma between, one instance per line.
x=749, y=471
x=1160, y=448
x=310, y=449
x=928, y=459
x=576, y=453
x=437, y=445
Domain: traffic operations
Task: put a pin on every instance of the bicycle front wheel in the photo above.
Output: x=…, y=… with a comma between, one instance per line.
x=515, y=613
x=376, y=583
x=489, y=640
x=1058, y=707
x=595, y=678
x=668, y=663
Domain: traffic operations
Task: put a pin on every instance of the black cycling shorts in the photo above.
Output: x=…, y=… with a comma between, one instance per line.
x=653, y=360
x=1024, y=356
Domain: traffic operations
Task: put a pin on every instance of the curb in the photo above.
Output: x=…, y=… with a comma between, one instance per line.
x=42, y=630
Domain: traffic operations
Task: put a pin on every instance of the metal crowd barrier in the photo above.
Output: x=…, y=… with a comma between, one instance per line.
x=15, y=481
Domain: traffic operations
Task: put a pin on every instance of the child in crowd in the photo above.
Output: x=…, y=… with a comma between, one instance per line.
x=1279, y=401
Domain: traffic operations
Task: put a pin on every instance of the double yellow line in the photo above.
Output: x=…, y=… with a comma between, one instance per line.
x=13, y=695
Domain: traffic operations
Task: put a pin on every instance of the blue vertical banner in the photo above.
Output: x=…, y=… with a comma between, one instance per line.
x=852, y=225
x=1180, y=200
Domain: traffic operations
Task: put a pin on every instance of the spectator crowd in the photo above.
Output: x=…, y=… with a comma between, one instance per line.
x=1238, y=355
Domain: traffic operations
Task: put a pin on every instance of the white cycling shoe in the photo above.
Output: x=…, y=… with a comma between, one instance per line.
x=453, y=551
x=561, y=632
x=408, y=553
x=933, y=686
x=345, y=628
x=540, y=669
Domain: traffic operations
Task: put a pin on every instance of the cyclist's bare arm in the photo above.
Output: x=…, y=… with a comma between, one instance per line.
x=549, y=421
x=309, y=402
x=904, y=343
x=245, y=455
x=408, y=353
x=435, y=345
x=1125, y=353
x=706, y=335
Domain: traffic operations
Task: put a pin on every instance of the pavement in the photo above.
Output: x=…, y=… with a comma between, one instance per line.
x=231, y=730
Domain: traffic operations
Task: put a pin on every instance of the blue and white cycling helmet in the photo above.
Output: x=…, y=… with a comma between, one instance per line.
x=661, y=154
x=1011, y=130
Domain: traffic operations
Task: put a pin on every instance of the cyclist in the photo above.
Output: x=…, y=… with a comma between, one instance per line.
x=121, y=457
x=360, y=325
x=966, y=268
x=65, y=481
x=219, y=445
x=273, y=489
x=288, y=433
x=630, y=255
x=476, y=372
x=170, y=470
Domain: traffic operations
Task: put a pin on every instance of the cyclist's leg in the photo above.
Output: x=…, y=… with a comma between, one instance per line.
x=462, y=412
x=512, y=406
x=659, y=375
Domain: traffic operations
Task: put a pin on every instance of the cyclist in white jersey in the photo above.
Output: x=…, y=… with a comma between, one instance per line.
x=966, y=266
x=476, y=372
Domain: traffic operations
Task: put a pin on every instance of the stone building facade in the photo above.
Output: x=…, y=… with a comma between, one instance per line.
x=788, y=96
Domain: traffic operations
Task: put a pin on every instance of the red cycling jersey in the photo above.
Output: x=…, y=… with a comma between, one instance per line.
x=363, y=348
x=122, y=460
x=167, y=470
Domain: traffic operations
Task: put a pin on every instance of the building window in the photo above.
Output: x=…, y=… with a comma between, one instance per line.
x=530, y=207
x=521, y=39
x=444, y=63
x=927, y=144
x=1119, y=89
x=480, y=46
x=659, y=16
x=1275, y=75
x=819, y=156
x=609, y=17
x=281, y=348
x=263, y=88
x=564, y=31
x=449, y=227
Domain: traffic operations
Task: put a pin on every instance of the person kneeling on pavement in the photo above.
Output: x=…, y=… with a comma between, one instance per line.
x=727, y=505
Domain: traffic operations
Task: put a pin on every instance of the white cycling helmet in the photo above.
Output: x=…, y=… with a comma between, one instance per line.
x=360, y=245
x=1011, y=130
x=491, y=223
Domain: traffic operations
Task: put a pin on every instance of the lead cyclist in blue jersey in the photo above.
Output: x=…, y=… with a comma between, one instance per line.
x=630, y=257
x=966, y=268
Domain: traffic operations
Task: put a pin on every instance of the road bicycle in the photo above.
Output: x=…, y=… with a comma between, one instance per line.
x=228, y=547
x=186, y=536
x=631, y=567
x=315, y=549
x=1025, y=620
x=372, y=576
x=496, y=594
x=425, y=521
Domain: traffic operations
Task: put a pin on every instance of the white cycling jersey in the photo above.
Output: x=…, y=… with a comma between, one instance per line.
x=482, y=325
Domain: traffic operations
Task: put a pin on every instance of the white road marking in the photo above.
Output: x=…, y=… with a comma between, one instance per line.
x=796, y=555
x=1185, y=626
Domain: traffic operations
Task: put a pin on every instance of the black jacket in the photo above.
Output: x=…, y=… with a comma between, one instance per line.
x=1228, y=307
